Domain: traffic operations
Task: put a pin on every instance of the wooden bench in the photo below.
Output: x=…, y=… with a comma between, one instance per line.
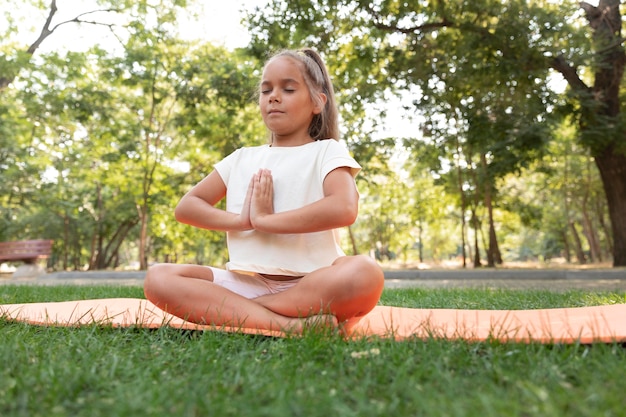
x=27, y=251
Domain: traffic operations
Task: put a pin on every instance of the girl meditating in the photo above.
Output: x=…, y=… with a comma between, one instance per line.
x=285, y=202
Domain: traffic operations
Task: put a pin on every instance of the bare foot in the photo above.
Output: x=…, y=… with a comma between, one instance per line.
x=347, y=326
x=327, y=323
x=319, y=323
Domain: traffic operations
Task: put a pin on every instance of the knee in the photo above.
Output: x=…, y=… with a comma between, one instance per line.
x=363, y=286
x=153, y=283
x=369, y=274
x=372, y=271
x=368, y=263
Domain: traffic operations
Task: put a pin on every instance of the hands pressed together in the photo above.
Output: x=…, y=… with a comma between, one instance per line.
x=259, y=200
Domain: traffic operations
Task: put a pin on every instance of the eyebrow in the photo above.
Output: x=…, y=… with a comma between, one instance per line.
x=282, y=81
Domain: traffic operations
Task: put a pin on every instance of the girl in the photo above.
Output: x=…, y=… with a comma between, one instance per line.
x=284, y=204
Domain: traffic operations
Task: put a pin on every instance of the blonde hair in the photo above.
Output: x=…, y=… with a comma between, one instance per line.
x=324, y=125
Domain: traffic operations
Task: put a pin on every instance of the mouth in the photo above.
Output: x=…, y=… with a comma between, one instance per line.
x=274, y=111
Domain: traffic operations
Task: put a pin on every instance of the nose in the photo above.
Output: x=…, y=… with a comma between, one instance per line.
x=274, y=97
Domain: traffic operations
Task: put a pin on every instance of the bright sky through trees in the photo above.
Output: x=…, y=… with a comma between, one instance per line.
x=218, y=22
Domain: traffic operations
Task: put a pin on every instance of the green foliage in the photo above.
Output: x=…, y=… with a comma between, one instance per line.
x=481, y=72
x=97, y=146
x=107, y=142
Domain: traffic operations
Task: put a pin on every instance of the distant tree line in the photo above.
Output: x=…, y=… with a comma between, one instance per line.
x=97, y=147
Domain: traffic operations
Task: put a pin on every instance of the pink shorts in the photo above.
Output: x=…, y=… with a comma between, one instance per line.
x=250, y=286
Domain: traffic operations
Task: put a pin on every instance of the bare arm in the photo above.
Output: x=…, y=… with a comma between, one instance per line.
x=338, y=207
x=197, y=207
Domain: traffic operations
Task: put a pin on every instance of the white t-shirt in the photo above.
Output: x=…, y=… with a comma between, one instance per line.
x=298, y=173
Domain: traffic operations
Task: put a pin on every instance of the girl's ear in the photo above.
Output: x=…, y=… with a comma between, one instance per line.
x=320, y=104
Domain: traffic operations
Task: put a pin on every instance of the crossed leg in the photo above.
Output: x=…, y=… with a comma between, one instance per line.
x=348, y=289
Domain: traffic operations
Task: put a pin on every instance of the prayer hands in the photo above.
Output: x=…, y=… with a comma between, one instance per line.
x=259, y=198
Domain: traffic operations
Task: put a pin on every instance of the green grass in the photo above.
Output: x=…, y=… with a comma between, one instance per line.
x=100, y=371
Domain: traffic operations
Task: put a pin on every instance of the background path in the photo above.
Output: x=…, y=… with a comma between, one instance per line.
x=612, y=279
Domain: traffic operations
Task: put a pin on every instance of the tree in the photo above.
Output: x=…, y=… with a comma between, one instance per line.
x=50, y=109
x=511, y=46
x=431, y=209
x=553, y=199
x=101, y=144
x=598, y=110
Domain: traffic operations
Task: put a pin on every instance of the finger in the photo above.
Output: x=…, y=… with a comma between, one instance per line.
x=267, y=187
x=266, y=176
x=250, y=188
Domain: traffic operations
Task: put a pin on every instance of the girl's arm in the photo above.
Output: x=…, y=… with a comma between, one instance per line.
x=339, y=206
x=197, y=207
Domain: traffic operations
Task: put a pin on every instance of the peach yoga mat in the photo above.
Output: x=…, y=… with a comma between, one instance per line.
x=606, y=324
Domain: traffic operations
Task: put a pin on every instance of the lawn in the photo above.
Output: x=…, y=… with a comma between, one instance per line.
x=101, y=371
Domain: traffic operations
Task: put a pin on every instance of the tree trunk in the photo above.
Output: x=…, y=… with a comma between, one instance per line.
x=463, y=230
x=463, y=204
x=606, y=229
x=96, y=240
x=355, y=251
x=606, y=22
x=66, y=246
x=115, y=242
x=476, y=226
x=143, y=236
x=493, y=251
x=588, y=228
x=578, y=247
x=567, y=254
x=591, y=235
x=612, y=167
x=468, y=249
x=420, y=247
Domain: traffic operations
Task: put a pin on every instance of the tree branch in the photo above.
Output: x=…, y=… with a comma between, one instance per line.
x=78, y=19
x=427, y=27
x=602, y=15
x=569, y=73
x=45, y=31
x=413, y=29
x=591, y=12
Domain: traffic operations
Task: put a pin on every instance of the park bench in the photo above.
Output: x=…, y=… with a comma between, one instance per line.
x=27, y=251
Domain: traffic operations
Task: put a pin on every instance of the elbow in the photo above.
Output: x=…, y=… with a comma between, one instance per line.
x=349, y=214
x=180, y=212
